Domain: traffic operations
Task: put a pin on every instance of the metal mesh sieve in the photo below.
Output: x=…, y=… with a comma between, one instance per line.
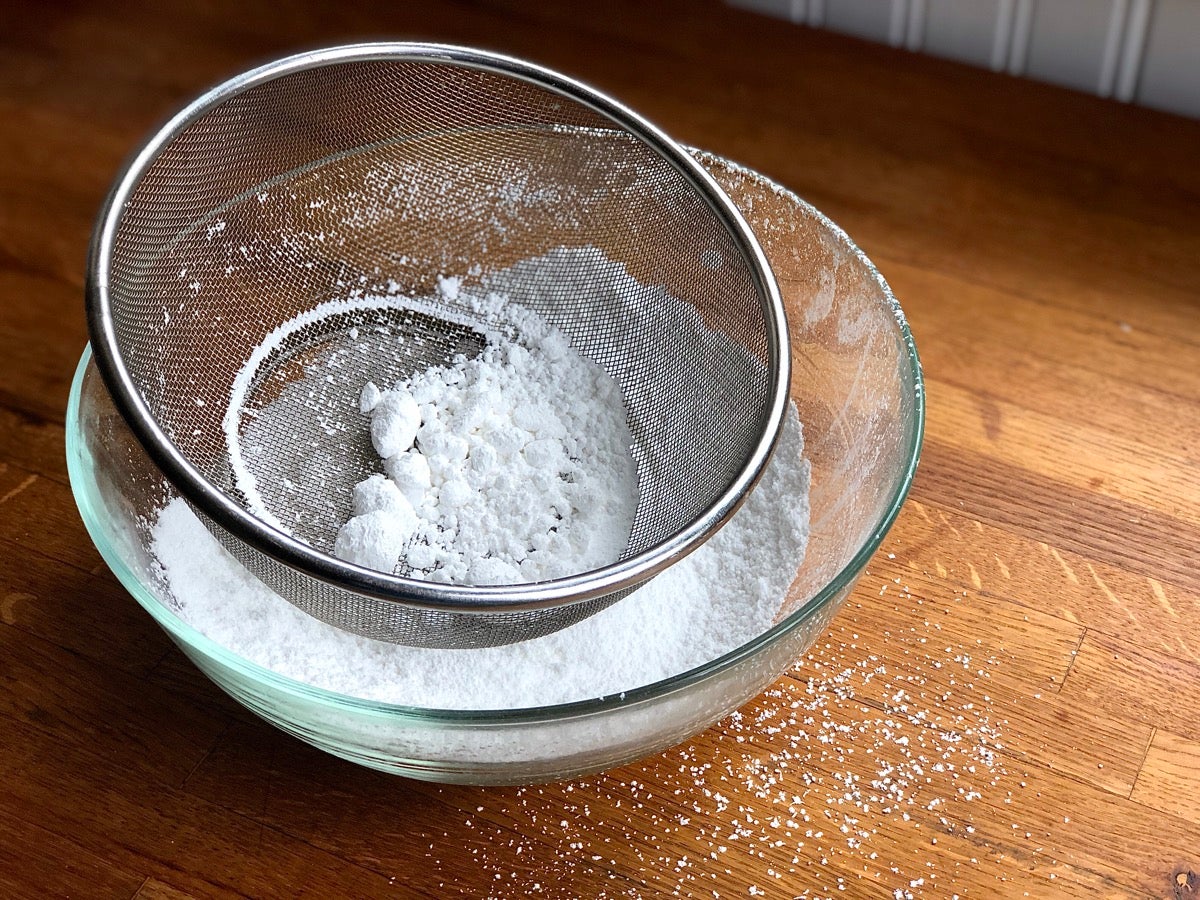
x=368, y=171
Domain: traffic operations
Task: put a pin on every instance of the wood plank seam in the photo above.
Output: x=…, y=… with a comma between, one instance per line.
x=1145, y=756
x=1074, y=656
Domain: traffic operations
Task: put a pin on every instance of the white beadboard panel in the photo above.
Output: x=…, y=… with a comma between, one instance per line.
x=870, y=19
x=1132, y=49
x=1147, y=51
x=1019, y=31
x=914, y=24
x=1170, y=73
x=809, y=12
x=964, y=30
x=1112, y=57
x=1067, y=42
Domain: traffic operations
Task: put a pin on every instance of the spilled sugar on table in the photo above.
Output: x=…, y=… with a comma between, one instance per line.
x=1005, y=707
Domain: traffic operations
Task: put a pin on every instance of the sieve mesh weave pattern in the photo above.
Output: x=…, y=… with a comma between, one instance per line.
x=374, y=176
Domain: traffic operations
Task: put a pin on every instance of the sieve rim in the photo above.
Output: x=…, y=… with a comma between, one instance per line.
x=622, y=575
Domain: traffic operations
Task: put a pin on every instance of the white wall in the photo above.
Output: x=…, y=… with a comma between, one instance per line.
x=1142, y=51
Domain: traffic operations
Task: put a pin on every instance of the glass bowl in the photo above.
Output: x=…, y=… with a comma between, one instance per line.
x=856, y=383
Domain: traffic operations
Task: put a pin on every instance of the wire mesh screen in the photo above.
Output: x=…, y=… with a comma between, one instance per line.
x=372, y=178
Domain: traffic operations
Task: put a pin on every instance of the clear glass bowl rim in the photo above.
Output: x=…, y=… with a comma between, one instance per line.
x=181, y=631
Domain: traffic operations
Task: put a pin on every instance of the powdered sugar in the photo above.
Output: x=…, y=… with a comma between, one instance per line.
x=510, y=466
x=298, y=437
x=556, y=408
x=715, y=600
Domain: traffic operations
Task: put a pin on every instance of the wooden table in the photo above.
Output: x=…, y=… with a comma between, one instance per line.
x=1006, y=708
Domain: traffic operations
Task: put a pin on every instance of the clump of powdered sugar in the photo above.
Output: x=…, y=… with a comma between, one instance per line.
x=711, y=602
x=510, y=466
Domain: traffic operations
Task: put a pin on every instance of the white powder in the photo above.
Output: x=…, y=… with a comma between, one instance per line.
x=511, y=466
x=721, y=596
x=521, y=410
x=298, y=445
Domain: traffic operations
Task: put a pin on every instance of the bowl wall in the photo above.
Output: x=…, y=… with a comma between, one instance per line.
x=857, y=386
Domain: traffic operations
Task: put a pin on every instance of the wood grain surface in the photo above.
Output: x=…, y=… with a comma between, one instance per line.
x=1006, y=708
